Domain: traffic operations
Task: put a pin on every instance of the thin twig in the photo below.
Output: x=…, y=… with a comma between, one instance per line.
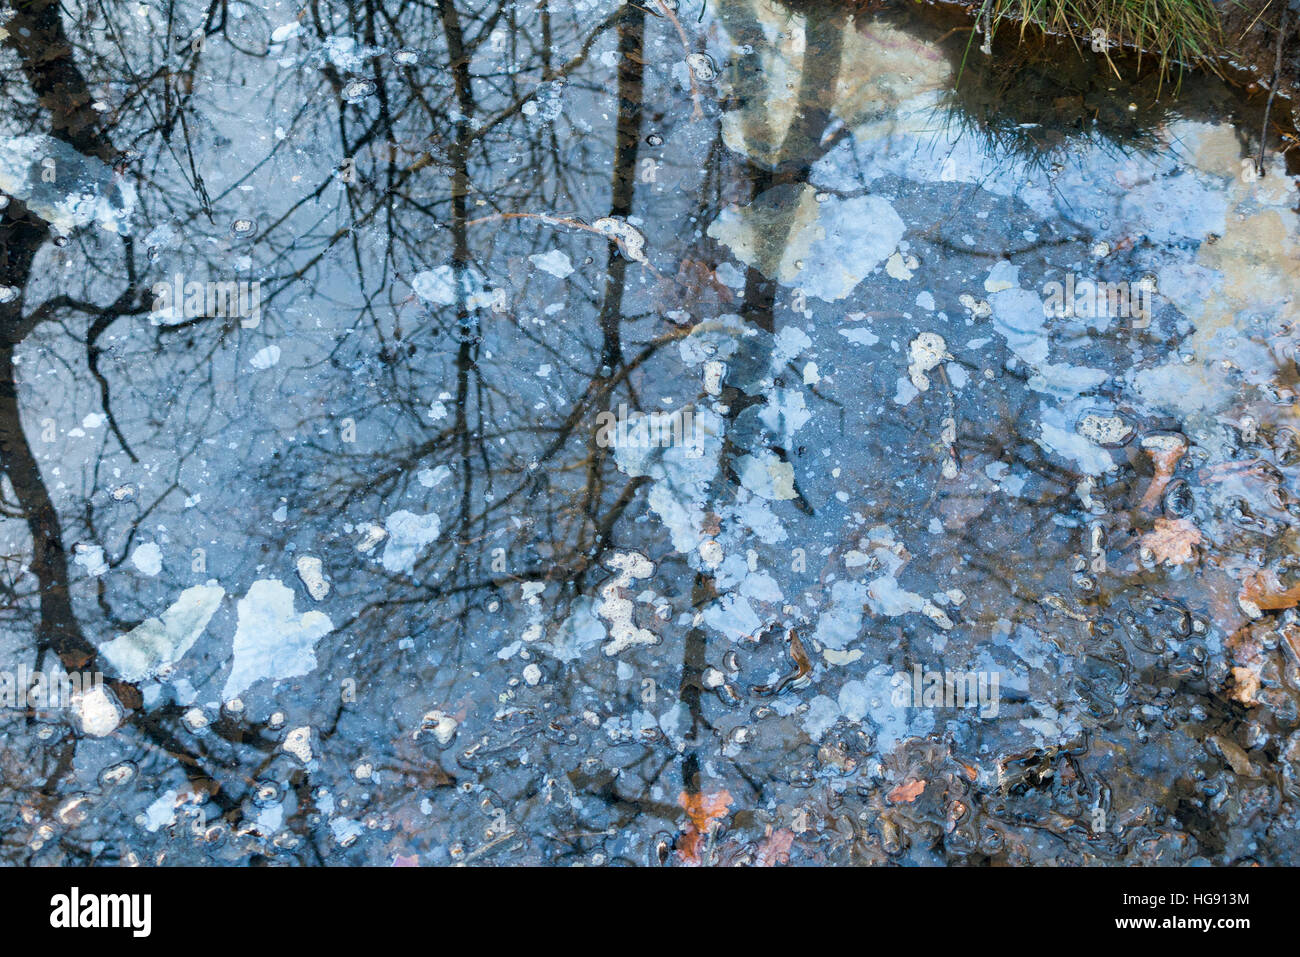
x=697, y=113
x=1272, y=89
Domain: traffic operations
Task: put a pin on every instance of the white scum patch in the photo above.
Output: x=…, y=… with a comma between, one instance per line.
x=862, y=337
x=577, y=633
x=785, y=413
x=96, y=711
x=1104, y=430
x=714, y=372
x=282, y=33
x=901, y=267
x=617, y=610
x=265, y=358
x=629, y=239
x=711, y=552
x=298, y=743
x=926, y=351
x=827, y=248
x=530, y=594
x=840, y=621
x=91, y=558
x=372, y=536
x=1164, y=442
x=767, y=476
x=84, y=189
x=702, y=67
x=271, y=640
x=948, y=436
x=345, y=54
x=311, y=574
x=786, y=344
x=432, y=478
x=438, y=723
x=554, y=262
x=161, y=812
x=936, y=615
x=158, y=643
x=147, y=559
x=1056, y=435
x=1002, y=276
x=978, y=308
x=408, y=533
x=439, y=287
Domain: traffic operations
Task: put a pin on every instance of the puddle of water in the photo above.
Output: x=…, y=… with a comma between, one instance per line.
x=638, y=435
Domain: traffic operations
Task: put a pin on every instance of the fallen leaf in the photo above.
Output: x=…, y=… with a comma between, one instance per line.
x=775, y=848
x=1234, y=754
x=1173, y=540
x=1165, y=451
x=906, y=793
x=702, y=811
x=1265, y=591
x=1245, y=685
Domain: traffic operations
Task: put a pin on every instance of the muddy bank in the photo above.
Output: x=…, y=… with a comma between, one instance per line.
x=1248, y=57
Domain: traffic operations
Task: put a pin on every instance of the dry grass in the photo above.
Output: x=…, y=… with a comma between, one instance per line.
x=1178, y=32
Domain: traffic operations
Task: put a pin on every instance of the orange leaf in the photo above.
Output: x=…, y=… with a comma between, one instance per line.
x=1165, y=451
x=1267, y=593
x=702, y=810
x=906, y=793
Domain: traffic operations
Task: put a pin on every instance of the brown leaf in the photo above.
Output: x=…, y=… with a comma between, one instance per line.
x=907, y=792
x=1245, y=685
x=1266, y=591
x=1165, y=451
x=1173, y=540
x=702, y=810
x=775, y=848
x=695, y=289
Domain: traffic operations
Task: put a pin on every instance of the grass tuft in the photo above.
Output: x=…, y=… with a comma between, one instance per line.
x=1177, y=32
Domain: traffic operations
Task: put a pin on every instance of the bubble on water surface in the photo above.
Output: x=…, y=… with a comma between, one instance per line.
x=356, y=90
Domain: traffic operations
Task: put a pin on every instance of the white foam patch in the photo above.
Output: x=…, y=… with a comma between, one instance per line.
x=272, y=641
x=84, y=190
x=158, y=643
x=408, y=534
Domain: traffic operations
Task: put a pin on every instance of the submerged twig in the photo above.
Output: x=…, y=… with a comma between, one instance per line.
x=1272, y=88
